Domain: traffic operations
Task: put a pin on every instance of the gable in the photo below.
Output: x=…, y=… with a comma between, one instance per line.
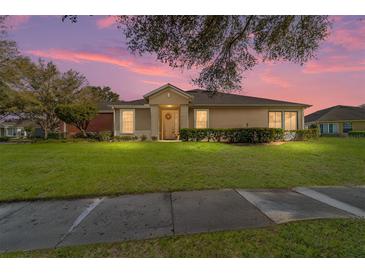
x=169, y=96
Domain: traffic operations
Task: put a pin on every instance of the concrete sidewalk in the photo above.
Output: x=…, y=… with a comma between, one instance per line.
x=49, y=224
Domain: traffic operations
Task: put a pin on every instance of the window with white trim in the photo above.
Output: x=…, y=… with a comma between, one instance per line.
x=290, y=120
x=201, y=118
x=10, y=131
x=127, y=121
x=275, y=119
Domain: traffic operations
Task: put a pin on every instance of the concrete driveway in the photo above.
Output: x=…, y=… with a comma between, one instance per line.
x=49, y=224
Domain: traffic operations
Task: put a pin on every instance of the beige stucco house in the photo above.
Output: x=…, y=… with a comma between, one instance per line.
x=164, y=111
x=337, y=120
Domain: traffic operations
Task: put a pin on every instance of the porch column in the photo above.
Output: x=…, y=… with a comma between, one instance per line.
x=184, y=116
x=155, y=117
x=116, y=121
x=301, y=119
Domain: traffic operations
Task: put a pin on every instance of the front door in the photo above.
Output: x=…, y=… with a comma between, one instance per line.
x=170, y=124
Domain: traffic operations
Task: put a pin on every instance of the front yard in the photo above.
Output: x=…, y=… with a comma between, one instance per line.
x=64, y=170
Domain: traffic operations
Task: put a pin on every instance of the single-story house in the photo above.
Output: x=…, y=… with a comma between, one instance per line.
x=165, y=110
x=337, y=120
x=15, y=128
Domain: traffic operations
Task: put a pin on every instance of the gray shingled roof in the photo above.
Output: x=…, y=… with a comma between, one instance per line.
x=336, y=113
x=133, y=102
x=108, y=106
x=203, y=97
x=18, y=123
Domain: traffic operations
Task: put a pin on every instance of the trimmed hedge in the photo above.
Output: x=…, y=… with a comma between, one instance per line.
x=306, y=134
x=123, y=138
x=232, y=135
x=357, y=134
x=4, y=139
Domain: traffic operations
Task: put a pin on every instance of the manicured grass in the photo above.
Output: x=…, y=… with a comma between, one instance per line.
x=59, y=170
x=320, y=238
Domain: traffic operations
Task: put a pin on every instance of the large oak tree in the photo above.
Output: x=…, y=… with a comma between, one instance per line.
x=222, y=48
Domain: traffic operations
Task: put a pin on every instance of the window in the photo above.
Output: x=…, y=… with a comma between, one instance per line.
x=291, y=120
x=275, y=119
x=329, y=128
x=347, y=127
x=201, y=118
x=11, y=131
x=127, y=121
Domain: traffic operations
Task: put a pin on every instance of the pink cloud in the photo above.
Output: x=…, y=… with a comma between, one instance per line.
x=154, y=83
x=15, y=21
x=106, y=22
x=269, y=78
x=335, y=64
x=82, y=56
x=348, y=34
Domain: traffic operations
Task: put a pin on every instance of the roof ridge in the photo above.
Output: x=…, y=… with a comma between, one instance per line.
x=247, y=96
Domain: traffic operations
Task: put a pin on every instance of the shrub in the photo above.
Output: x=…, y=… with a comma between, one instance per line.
x=357, y=134
x=105, y=136
x=306, y=134
x=55, y=135
x=123, y=138
x=313, y=126
x=233, y=135
x=154, y=138
x=4, y=139
x=143, y=138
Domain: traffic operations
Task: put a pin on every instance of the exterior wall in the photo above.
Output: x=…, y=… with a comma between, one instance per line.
x=155, y=120
x=358, y=125
x=147, y=120
x=143, y=119
x=184, y=116
x=230, y=117
x=162, y=98
x=142, y=123
x=102, y=122
x=17, y=131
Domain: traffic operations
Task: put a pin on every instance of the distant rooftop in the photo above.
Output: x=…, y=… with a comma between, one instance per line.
x=337, y=113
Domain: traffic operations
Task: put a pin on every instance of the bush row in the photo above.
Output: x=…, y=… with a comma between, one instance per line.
x=107, y=136
x=4, y=139
x=357, y=134
x=306, y=134
x=232, y=135
x=246, y=135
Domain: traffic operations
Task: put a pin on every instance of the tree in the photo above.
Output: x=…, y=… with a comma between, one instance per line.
x=45, y=88
x=103, y=94
x=223, y=47
x=77, y=114
x=10, y=65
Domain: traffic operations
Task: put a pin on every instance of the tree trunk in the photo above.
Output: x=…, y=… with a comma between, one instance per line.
x=45, y=133
x=83, y=131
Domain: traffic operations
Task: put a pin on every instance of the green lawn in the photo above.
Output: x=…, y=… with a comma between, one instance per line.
x=55, y=170
x=320, y=238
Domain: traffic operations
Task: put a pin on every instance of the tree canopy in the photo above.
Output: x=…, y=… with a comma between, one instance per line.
x=77, y=114
x=222, y=48
x=103, y=94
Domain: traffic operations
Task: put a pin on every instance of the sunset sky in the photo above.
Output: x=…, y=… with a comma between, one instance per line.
x=95, y=47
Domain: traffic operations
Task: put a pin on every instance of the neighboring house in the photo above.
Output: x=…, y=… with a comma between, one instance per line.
x=337, y=120
x=15, y=128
